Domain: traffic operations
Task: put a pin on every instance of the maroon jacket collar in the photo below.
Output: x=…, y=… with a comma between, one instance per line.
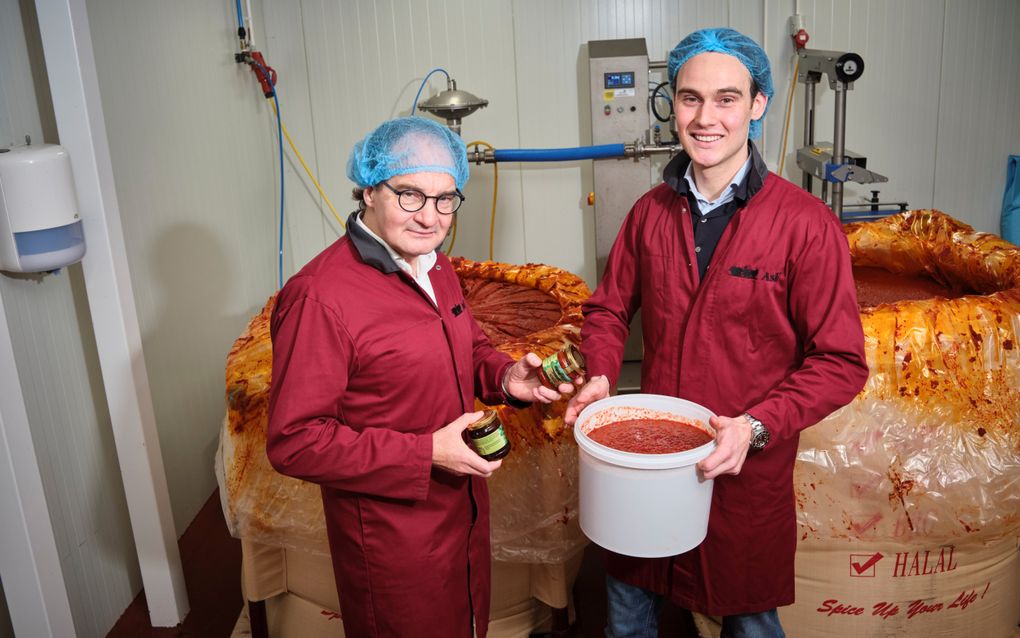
x=673, y=175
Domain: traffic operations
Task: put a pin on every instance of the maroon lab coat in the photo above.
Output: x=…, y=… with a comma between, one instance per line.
x=365, y=369
x=773, y=330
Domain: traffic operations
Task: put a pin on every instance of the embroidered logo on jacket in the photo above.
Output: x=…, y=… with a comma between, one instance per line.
x=746, y=272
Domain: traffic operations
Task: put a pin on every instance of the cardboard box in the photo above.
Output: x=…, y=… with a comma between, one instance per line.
x=302, y=602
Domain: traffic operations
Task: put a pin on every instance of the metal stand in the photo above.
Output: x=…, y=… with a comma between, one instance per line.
x=257, y=619
x=809, y=121
x=838, y=137
x=834, y=164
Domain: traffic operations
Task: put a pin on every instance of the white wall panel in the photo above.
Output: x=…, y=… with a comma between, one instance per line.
x=367, y=60
x=71, y=430
x=489, y=70
x=18, y=113
x=978, y=122
x=306, y=229
x=55, y=354
x=551, y=77
x=193, y=156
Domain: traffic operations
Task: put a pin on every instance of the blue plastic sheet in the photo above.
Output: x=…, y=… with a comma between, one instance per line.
x=1011, y=201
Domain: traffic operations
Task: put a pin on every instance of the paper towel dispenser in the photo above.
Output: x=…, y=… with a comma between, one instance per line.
x=40, y=229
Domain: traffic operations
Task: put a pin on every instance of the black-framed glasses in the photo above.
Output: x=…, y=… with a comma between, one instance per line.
x=412, y=200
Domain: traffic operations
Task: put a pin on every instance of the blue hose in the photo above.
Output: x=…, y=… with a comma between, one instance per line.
x=279, y=137
x=558, y=154
x=414, y=104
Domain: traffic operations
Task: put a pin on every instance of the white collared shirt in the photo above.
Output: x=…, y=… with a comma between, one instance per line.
x=424, y=262
x=705, y=206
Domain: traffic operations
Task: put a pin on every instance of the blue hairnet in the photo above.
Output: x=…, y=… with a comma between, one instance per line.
x=407, y=145
x=732, y=43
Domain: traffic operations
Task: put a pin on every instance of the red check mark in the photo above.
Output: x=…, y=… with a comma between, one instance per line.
x=868, y=564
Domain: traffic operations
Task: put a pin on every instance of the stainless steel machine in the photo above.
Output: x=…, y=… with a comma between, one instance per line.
x=619, y=111
x=831, y=162
x=619, y=74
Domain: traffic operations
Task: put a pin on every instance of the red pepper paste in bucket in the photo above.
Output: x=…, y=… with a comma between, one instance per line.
x=650, y=436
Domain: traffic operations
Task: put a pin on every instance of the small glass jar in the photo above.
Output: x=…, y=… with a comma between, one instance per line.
x=488, y=438
x=563, y=367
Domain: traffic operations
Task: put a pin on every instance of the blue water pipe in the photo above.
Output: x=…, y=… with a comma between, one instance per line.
x=558, y=154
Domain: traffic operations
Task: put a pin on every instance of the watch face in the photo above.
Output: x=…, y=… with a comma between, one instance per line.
x=759, y=433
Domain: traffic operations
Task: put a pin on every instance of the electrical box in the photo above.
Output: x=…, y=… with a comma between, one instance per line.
x=619, y=113
x=40, y=229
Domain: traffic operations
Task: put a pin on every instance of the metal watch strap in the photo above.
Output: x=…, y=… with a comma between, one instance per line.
x=759, y=433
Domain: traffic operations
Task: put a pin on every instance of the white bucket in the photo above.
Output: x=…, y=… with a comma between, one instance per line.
x=644, y=505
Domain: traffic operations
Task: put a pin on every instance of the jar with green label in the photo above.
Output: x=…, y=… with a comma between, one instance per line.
x=566, y=366
x=488, y=438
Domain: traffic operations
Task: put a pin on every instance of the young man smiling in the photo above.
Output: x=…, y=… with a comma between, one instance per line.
x=748, y=308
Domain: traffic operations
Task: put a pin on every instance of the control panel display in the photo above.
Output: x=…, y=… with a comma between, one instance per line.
x=620, y=80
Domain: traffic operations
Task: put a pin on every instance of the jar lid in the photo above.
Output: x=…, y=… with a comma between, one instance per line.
x=486, y=420
x=574, y=357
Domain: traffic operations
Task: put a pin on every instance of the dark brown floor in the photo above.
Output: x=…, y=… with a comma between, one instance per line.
x=211, y=559
x=212, y=572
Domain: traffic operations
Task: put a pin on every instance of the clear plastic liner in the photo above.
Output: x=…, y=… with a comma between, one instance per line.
x=929, y=451
x=533, y=495
x=260, y=504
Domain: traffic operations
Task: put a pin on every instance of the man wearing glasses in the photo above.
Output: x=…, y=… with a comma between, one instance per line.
x=377, y=361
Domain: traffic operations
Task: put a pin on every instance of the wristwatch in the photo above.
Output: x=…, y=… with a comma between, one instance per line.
x=510, y=399
x=759, y=433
